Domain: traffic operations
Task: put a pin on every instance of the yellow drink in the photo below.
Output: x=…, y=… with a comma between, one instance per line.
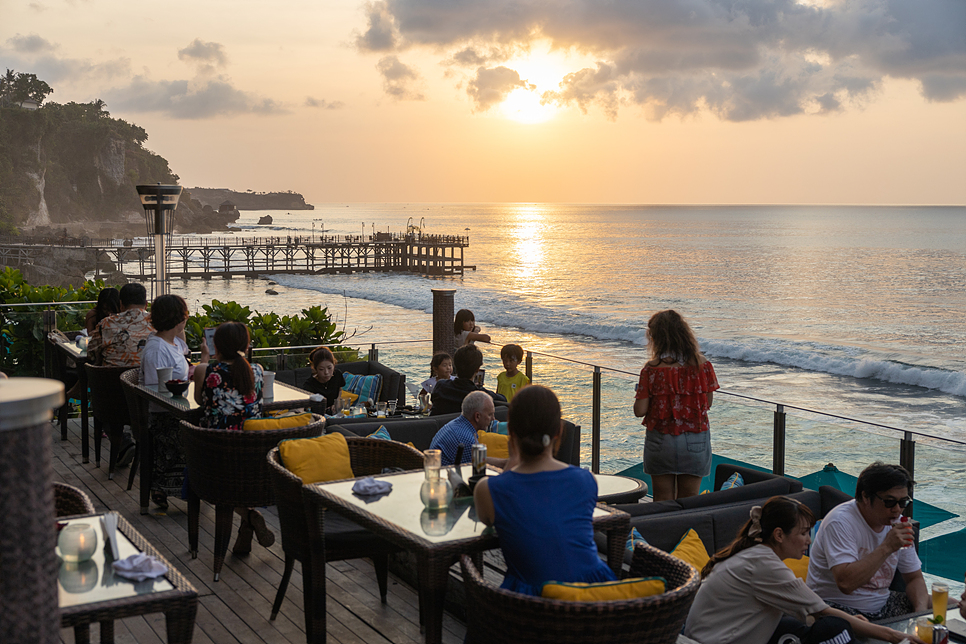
x=924, y=629
x=940, y=598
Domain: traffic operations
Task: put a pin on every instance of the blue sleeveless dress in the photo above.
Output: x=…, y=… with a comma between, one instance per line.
x=544, y=524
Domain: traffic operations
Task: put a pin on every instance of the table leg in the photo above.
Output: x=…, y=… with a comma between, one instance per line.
x=616, y=545
x=180, y=624
x=432, y=594
x=82, y=634
x=85, y=450
x=107, y=632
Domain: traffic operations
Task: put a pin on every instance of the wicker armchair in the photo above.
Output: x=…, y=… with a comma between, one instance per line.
x=522, y=619
x=69, y=500
x=343, y=538
x=228, y=469
x=109, y=408
x=136, y=411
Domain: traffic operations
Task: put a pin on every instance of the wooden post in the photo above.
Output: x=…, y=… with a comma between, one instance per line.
x=443, y=315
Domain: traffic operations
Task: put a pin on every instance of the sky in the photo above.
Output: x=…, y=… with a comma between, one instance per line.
x=568, y=101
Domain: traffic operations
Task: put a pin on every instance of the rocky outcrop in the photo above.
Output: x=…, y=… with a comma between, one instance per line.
x=62, y=266
x=252, y=200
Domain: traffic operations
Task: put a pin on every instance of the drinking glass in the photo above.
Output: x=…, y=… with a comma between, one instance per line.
x=381, y=410
x=392, y=407
x=924, y=628
x=940, y=598
x=432, y=461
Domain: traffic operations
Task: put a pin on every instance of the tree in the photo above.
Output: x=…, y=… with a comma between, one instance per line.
x=17, y=88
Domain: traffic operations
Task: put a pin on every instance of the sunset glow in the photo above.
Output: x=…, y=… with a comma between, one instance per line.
x=524, y=106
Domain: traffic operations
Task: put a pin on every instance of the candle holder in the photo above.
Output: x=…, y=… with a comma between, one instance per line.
x=432, y=461
x=76, y=578
x=77, y=542
x=436, y=494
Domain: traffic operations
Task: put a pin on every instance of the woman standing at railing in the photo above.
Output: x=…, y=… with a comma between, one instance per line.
x=673, y=395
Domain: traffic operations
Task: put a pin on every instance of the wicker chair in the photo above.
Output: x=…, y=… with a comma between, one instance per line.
x=109, y=408
x=135, y=404
x=522, y=619
x=69, y=500
x=228, y=469
x=343, y=538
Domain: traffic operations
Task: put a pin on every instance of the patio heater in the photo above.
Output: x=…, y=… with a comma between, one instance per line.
x=159, y=202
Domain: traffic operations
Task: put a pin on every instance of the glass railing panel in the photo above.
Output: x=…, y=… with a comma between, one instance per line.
x=742, y=430
x=812, y=441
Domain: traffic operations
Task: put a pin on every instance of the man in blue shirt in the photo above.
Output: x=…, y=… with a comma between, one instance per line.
x=476, y=415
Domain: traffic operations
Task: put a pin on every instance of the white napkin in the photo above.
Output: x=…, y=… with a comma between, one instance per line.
x=139, y=567
x=109, y=523
x=370, y=485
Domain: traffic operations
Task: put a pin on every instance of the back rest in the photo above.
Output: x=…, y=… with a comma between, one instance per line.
x=107, y=396
x=569, y=451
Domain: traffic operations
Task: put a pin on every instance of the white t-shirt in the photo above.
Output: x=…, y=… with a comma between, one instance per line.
x=744, y=598
x=158, y=354
x=461, y=339
x=845, y=537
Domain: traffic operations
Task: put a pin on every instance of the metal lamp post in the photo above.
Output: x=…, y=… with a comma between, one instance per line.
x=159, y=202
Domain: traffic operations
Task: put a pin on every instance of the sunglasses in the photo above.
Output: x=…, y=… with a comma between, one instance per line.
x=891, y=503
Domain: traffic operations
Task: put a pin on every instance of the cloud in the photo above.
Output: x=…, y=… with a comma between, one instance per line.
x=209, y=53
x=32, y=44
x=491, y=86
x=184, y=99
x=745, y=60
x=399, y=80
x=323, y=104
x=380, y=35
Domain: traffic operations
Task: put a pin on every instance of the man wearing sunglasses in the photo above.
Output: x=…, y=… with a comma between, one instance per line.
x=860, y=545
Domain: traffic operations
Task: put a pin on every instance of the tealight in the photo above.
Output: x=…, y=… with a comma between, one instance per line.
x=77, y=542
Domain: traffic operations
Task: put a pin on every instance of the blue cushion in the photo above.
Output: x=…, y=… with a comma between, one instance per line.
x=735, y=480
x=366, y=387
x=381, y=433
x=634, y=538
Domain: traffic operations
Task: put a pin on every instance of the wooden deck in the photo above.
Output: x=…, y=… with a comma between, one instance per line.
x=236, y=608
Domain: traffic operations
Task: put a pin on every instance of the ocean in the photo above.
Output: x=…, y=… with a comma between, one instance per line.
x=856, y=311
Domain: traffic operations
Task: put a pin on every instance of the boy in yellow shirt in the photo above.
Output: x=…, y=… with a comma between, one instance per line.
x=511, y=381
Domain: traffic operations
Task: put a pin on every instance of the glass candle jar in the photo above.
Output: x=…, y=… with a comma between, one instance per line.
x=77, y=542
x=436, y=494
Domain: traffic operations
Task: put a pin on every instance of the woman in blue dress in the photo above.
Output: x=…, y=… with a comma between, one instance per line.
x=542, y=508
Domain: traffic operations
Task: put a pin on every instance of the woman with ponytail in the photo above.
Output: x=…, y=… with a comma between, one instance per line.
x=229, y=392
x=542, y=508
x=749, y=595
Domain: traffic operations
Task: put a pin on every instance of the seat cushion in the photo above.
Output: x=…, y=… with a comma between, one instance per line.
x=606, y=590
x=281, y=422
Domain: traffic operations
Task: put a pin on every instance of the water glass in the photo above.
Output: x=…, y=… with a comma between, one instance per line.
x=432, y=461
x=380, y=410
x=392, y=407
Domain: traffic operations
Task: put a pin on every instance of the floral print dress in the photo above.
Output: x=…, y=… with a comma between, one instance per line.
x=224, y=407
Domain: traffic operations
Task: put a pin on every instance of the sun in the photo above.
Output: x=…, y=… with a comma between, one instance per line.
x=524, y=106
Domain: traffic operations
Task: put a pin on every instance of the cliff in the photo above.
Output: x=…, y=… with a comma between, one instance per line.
x=74, y=167
x=249, y=200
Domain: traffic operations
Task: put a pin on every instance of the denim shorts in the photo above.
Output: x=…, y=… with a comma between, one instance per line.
x=687, y=453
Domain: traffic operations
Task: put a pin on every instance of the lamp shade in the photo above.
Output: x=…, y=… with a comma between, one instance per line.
x=160, y=199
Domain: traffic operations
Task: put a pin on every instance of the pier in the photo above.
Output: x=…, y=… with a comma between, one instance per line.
x=228, y=256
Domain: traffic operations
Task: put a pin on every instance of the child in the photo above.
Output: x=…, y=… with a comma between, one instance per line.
x=465, y=329
x=440, y=368
x=511, y=381
x=326, y=379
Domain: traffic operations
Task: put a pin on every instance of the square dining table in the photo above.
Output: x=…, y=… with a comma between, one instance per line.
x=184, y=407
x=91, y=592
x=70, y=350
x=436, y=538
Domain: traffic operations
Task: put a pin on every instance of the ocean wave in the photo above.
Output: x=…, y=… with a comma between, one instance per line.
x=808, y=356
x=495, y=308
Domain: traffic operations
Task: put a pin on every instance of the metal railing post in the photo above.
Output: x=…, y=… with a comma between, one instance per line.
x=907, y=459
x=528, y=369
x=778, y=442
x=373, y=353
x=595, y=425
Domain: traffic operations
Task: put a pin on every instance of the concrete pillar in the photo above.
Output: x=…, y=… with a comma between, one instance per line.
x=28, y=560
x=444, y=312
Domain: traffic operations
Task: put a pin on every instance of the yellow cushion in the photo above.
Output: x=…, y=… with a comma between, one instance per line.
x=282, y=422
x=316, y=460
x=691, y=549
x=798, y=566
x=497, y=445
x=605, y=591
x=348, y=396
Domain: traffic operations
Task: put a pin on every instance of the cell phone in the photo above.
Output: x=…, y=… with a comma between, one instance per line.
x=957, y=630
x=210, y=339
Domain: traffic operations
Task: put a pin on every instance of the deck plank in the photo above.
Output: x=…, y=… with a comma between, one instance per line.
x=236, y=609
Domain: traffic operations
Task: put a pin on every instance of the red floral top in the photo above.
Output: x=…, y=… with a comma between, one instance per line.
x=678, y=403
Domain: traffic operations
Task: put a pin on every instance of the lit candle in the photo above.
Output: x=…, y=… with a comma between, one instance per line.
x=436, y=493
x=77, y=542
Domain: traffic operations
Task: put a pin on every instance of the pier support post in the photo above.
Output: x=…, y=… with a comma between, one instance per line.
x=778, y=442
x=444, y=312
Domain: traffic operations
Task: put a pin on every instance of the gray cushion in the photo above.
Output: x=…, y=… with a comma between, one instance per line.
x=761, y=490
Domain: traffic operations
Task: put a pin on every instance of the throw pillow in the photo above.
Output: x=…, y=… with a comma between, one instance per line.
x=503, y=428
x=497, y=445
x=633, y=539
x=281, y=422
x=691, y=549
x=381, y=433
x=605, y=591
x=798, y=566
x=316, y=460
x=347, y=396
x=366, y=387
x=735, y=480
